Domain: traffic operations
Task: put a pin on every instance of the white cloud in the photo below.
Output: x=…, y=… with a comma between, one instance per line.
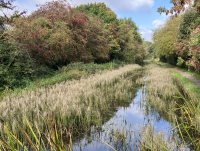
x=157, y=23
x=142, y=5
x=123, y=5
x=120, y=5
x=146, y=34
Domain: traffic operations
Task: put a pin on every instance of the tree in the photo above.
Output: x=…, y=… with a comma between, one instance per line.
x=101, y=10
x=133, y=27
x=57, y=34
x=164, y=37
x=5, y=19
x=179, y=6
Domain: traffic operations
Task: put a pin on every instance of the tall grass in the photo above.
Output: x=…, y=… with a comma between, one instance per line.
x=47, y=77
x=77, y=104
x=166, y=96
x=37, y=142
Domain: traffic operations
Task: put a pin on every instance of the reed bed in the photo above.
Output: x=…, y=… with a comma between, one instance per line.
x=164, y=97
x=161, y=88
x=77, y=102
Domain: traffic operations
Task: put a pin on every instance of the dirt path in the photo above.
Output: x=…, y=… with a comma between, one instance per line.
x=186, y=75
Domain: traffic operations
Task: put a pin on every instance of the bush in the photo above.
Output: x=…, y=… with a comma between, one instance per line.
x=16, y=67
x=57, y=34
x=163, y=59
x=172, y=59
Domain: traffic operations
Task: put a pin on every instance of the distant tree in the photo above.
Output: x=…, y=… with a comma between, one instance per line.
x=101, y=10
x=133, y=27
x=164, y=37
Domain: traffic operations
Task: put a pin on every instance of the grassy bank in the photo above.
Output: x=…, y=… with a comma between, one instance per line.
x=72, y=71
x=193, y=73
x=188, y=86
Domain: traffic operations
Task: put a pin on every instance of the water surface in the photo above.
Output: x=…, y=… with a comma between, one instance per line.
x=130, y=118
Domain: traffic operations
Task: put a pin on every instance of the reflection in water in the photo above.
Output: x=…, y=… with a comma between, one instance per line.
x=125, y=125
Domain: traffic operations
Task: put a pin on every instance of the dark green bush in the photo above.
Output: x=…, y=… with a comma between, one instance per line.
x=172, y=59
x=163, y=59
x=90, y=68
x=17, y=69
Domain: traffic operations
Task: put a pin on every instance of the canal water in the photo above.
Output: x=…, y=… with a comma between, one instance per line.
x=122, y=130
x=124, y=126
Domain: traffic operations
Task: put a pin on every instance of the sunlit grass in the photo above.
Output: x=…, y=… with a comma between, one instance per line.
x=78, y=102
x=71, y=71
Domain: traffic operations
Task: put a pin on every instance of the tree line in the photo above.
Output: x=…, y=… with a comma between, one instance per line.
x=178, y=40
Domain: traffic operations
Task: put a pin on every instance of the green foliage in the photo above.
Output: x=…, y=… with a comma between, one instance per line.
x=148, y=47
x=69, y=37
x=172, y=59
x=124, y=27
x=163, y=59
x=164, y=37
x=161, y=10
x=101, y=10
x=133, y=27
x=16, y=67
x=180, y=62
x=187, y=23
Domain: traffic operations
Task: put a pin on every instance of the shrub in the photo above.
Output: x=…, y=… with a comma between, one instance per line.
x=56, y=35
x=16, y=67
x=180, y=62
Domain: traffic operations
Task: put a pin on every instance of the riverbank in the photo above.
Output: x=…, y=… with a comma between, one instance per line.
x=66, y=73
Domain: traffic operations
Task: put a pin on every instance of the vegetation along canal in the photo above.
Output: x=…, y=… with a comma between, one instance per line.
x=143, y=118
x=129, y=108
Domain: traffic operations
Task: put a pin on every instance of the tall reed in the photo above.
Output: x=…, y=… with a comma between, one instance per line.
x=77, y=104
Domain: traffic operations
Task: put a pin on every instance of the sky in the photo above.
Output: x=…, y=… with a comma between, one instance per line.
x=142, y=12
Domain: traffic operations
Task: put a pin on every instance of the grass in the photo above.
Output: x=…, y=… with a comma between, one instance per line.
x=193, y=73
x=186, y=84
x=190, y=87
x=37, y=141
x=79, y=103
x=72, y=71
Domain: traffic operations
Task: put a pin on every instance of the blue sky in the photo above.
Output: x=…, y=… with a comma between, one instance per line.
x=142, y=12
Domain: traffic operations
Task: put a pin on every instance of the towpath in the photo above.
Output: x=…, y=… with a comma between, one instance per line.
x=186, y=75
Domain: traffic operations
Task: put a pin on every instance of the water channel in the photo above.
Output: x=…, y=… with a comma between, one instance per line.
x=123, y=125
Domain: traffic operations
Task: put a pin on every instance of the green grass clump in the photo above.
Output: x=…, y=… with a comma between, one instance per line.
x=37, y=140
